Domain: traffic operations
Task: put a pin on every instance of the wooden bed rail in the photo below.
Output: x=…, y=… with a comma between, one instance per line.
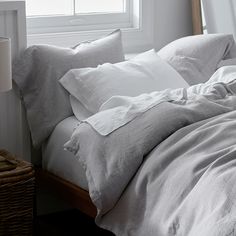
x=74, y=195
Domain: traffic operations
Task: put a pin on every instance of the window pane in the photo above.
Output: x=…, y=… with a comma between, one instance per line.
x=99, y=6
x=49, y=7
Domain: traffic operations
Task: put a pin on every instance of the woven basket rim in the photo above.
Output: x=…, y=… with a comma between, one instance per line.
x=23, y=168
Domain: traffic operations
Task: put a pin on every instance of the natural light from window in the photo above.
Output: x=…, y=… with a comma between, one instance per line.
x=73, y=7
x=68, y=22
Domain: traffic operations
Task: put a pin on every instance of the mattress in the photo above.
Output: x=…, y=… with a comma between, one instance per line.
x=60, y=162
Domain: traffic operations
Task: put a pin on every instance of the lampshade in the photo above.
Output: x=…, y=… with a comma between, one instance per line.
x=5, y=64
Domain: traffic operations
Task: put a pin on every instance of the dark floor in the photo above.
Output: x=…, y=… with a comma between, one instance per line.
x=67, y=223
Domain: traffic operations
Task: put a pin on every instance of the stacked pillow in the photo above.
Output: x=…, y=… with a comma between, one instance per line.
x=93, y=72
x=144, y=73
x=193, y=60
x=38, y=70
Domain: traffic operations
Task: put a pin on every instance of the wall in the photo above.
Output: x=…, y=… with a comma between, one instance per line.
x=173, y=19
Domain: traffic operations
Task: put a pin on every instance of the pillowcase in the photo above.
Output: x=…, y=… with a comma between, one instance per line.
x=196, y=57
x=227, y=62
x=230, y=59
x=38, y=70
x=142, y=74
x=80, y=112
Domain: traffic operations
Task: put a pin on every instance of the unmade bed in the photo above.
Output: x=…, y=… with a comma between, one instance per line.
x=155, y=155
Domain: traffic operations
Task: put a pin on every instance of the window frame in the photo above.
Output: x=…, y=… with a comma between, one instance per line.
x=137, y=38
x=80, y=22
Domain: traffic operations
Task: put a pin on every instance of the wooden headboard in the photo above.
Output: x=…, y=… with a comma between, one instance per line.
x=197, y=17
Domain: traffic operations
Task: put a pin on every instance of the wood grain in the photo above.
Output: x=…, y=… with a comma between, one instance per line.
x=197, y=17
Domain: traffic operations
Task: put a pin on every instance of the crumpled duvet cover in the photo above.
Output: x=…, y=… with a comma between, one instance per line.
x=164, y=163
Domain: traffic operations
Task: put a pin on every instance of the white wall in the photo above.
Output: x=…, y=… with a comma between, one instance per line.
x=173, y=19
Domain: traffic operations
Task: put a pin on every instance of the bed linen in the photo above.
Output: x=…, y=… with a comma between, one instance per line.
x=79, y=111
x=36, y=73
x=196, y=57
x=167, y=168
x=146, y=72
x=59, y=162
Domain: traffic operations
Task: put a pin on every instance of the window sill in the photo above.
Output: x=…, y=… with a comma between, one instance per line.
x=134, y=39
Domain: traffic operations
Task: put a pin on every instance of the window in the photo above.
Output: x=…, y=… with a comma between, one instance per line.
x=47, y=16
x=67, y=22
x=67, y=7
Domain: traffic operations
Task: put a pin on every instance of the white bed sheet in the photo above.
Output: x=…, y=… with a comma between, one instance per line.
x=60, y=162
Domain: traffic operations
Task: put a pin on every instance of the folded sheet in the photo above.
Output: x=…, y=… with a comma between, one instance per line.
x=119, y=110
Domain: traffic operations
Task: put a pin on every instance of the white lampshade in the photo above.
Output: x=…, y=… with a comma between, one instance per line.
x=5, y=64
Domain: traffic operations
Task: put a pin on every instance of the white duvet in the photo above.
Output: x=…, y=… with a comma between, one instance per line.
x=164, y=163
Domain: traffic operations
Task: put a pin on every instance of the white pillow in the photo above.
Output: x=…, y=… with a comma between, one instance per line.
x=144, y=73
x=196, y=57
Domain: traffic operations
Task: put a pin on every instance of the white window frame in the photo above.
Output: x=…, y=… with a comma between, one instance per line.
x=137, y=34
x=80, y=22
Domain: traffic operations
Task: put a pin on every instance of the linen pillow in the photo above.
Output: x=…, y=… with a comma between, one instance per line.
x=227, y=62
x=38, y=70
x=196, y=57
x=144, y=73
x=80, y=112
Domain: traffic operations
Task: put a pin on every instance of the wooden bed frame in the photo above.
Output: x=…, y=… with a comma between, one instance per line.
x=77, y=197
x=74, y=195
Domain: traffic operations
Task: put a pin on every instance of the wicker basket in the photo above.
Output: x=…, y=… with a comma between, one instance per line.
x=17, y=194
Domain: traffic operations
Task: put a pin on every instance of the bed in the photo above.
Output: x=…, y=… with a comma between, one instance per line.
x=94, y=116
